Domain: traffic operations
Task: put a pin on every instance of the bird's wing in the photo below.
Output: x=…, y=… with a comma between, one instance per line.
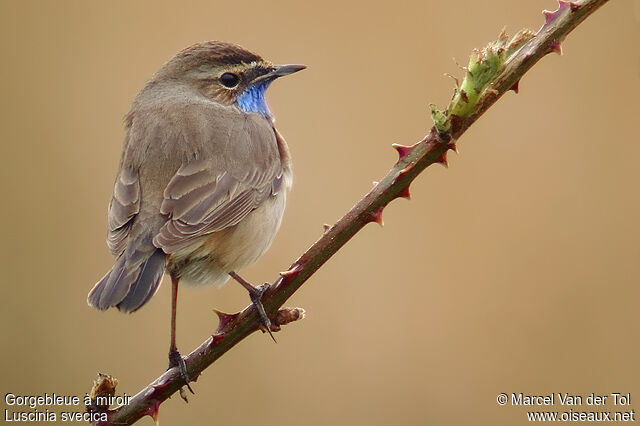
x=214, y=192
x=123, y=208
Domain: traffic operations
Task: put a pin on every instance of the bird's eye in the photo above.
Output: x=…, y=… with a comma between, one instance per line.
x=229, y=80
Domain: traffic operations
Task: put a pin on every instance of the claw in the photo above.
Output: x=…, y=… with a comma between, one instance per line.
x=176, y=360
x=256, y=297
x=255, y=293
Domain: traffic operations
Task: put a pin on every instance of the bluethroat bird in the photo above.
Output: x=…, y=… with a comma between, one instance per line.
x=202, y=181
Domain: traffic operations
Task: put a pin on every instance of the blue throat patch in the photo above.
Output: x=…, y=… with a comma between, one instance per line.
x=252, y=100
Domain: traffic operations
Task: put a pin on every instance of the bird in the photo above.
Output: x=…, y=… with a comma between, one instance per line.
x=202, y=180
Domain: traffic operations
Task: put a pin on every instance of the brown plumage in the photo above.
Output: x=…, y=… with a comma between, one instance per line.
x=202, y=181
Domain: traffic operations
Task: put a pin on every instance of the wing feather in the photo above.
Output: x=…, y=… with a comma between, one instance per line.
x=124, y=206
x=208, y=195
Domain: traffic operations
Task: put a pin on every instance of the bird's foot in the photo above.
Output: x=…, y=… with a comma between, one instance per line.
x=256, y=299
x=256, y=293
x=176, y=360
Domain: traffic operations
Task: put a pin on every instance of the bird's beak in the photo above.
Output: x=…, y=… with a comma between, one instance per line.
x=280, y=71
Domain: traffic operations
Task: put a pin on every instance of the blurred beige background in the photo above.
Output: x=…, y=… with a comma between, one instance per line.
x=515, y=270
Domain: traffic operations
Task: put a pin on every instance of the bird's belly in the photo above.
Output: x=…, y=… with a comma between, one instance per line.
x=210, y=259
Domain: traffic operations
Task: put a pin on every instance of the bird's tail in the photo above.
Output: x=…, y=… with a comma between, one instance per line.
x=132, y=281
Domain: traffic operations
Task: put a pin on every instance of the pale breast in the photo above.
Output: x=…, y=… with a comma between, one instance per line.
x=211, y=258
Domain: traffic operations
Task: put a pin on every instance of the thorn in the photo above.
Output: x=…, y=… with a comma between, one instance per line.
x=565, y=3
x=403, y=151
x=375, y=182
x=325, y=228
x=404, y=171
x=292, y=271
x=401, y=175
x=556, y=47
x=550, y=16
x=376, y=216
x=443, y=160
x=225, y=319
x=215, y=339
x=516, y=86
x=404, y=193
x=159, y=387
x=153, y=409
x=452, y=146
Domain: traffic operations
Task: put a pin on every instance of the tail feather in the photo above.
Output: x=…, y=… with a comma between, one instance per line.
x=96, y=292
x=132, y=281
x=114, y=286
x=146, y=285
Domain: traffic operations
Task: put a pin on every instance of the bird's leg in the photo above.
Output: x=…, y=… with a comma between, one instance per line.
x=255, y=293
x=175, y=359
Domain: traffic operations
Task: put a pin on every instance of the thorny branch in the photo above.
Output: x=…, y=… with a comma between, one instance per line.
x=492, y=71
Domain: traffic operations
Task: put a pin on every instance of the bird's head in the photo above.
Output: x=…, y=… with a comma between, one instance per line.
x=227, y=73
